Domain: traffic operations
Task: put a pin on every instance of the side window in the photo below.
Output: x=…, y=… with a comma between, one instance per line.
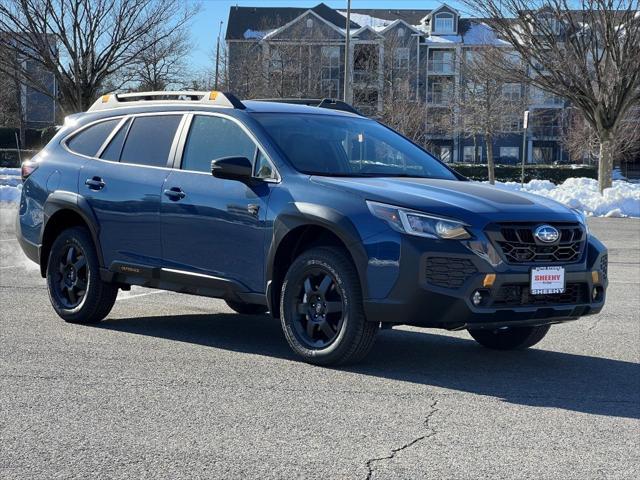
x=89, y=140
x=264, y=169
x=211, y=138
x=113, y=150
x=149, y=140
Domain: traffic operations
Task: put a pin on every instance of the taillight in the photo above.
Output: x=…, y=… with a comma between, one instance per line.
x=27, y=168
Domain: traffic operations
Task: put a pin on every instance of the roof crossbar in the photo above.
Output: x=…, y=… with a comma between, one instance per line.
x=114, y=100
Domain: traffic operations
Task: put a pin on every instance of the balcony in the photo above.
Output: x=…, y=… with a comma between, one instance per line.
x=438, y=98
x=440, y=67
x=365, y=77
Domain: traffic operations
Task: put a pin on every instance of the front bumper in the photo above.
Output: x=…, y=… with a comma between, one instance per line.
x=432, y=301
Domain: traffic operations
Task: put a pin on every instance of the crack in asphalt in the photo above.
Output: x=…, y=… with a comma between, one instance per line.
x=430, y=433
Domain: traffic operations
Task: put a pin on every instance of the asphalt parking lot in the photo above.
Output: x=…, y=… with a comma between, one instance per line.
x=173, y=386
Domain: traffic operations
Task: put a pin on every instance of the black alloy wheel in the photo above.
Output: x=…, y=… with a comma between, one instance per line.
x=72, y=276
x=76, y=291
x=319, y=308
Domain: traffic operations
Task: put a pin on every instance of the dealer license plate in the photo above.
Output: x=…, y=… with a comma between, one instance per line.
x=546, y=280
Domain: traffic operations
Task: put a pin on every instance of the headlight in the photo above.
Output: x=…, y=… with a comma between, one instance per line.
x=583, y=219
x=420, y=224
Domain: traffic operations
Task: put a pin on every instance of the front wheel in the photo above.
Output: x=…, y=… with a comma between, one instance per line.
x=321, y=309
x=511, y=338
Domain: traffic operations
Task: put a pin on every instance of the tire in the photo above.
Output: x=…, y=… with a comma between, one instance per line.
x=246, y=308
x=321, y=309
x=77, y=293
x=517, y=338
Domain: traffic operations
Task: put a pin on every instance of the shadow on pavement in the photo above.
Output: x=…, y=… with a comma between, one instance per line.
x=534, y=377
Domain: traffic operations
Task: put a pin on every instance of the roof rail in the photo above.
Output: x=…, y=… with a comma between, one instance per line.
x=114, y=100
x=329, y=103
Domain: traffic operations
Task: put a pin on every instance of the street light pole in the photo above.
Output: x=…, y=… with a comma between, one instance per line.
x=346, y=52
x=525, y=126
x=215, y=84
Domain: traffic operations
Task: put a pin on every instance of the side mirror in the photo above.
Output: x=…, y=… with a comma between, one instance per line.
x=232, y=168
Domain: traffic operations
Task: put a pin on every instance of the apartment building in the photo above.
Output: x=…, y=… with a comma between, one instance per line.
x=404, y=54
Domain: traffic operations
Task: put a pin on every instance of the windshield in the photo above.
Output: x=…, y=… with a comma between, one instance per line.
x=334, y=145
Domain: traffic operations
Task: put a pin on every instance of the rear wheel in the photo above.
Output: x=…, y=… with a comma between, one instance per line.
x=77, y=293
x=246, y=308
x=321, y=309
x=511, y=338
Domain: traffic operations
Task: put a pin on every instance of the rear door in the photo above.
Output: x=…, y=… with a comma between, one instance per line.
x=125, y=185
x=210, y=225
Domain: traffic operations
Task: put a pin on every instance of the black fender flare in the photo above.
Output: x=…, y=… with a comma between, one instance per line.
x=302, y=214
x=64, y=200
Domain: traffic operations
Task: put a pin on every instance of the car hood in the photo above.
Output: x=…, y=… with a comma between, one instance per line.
x=470, y=202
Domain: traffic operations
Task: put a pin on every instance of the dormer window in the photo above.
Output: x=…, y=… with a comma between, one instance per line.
x=444, y=23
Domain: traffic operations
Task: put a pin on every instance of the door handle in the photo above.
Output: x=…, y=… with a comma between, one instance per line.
x=95, y=183
x=175, y=193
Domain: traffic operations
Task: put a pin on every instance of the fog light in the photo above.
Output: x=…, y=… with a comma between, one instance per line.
x=594, y=293
x=477, y=298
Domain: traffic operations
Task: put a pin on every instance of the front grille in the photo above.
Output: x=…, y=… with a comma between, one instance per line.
x=449, y=272
x=604, y=266
x=519, y=295
x=519, y=246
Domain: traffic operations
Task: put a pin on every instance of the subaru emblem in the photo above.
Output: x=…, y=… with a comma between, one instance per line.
x=546, y=234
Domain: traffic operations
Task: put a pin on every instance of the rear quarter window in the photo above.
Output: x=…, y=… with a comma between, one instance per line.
x=89, y=140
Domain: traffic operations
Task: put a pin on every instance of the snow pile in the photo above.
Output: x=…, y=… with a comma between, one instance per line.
x=621, y=200
x=482, y=34
x=363, y=20
x=256, y=34
x=10, y=185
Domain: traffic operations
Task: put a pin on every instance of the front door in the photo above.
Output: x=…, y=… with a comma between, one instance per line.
x=213, y=226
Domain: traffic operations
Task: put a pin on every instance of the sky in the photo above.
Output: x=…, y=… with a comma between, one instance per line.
x=204, y=31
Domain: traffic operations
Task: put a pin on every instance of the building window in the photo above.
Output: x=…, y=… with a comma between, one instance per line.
x=540, y=97
x=401, y=32
x=330, y=71
x=309, y=23
x=275, y=61
x=511, y=123
x=401, y=58
x=444, y=23
x=542, y=155
x=445, y=154
x=467, y=154
x=511, y=91
x=509, y=154
x=441, y=61
x=439, y=90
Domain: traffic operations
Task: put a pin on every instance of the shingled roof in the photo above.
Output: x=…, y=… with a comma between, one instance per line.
x=243, y=19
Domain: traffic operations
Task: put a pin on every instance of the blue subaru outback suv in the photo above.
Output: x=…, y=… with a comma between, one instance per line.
x=330, y=221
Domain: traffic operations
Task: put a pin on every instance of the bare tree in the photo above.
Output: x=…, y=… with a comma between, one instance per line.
x=84, y=42
x=487, y=105
x=12, y=113
x=163, y=64
x=590, y=56
x=581, y=141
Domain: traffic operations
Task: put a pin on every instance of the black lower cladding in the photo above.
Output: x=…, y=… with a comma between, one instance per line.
x=520, y=295
x=449, y=274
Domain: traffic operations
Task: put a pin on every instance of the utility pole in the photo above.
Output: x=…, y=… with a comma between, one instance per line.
x=215, y=84
x=347, y=39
